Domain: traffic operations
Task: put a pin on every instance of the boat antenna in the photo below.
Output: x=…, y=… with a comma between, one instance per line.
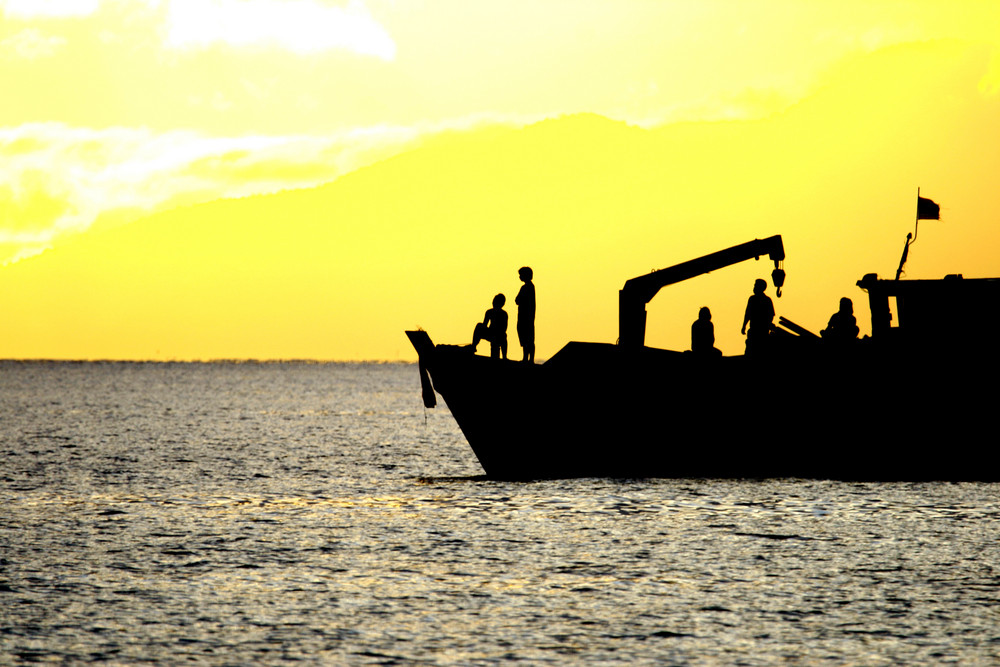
x=927, y=209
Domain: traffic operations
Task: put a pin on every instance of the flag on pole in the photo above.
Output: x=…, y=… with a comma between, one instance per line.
x=927, y=209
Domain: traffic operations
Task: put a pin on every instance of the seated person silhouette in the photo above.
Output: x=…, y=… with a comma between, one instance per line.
x=842, y=326
x=703, y=335
x=493, y=328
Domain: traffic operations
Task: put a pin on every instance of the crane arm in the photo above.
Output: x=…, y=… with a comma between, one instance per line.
x=639, y=291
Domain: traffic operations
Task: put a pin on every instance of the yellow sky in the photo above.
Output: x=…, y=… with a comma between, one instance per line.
x=115, y=109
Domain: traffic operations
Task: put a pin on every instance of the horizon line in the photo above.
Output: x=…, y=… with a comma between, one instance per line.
x=223, y=360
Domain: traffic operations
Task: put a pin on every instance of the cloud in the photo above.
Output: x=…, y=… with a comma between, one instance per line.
x=31, y=44
x=300, y=26
x=303, y=27
x=48, y=9
x=57, y=180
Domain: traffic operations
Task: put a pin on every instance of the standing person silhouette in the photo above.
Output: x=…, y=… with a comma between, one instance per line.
x=525, y=301
x=760, y=316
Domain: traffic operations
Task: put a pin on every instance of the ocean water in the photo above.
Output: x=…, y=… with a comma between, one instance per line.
x=244, y=513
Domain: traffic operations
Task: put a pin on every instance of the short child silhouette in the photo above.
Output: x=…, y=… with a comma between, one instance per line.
x=493, y=328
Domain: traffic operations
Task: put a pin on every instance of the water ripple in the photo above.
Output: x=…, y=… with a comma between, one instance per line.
x=314, y=513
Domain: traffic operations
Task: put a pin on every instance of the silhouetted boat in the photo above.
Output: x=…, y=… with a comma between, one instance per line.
x=914, y=401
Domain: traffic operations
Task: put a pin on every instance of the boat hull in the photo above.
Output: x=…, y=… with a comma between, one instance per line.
x=597, y=410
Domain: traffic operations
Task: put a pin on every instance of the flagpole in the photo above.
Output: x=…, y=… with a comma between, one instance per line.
x=927, y=209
